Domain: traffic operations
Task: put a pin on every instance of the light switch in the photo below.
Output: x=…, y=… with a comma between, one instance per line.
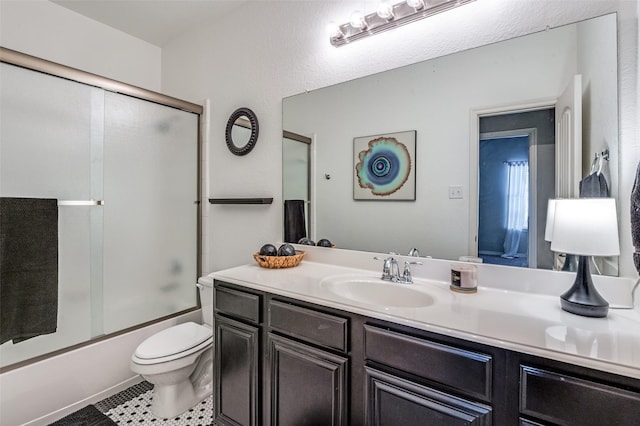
x=455, y=191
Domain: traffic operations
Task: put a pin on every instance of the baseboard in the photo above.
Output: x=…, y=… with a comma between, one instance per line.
x=57, y=415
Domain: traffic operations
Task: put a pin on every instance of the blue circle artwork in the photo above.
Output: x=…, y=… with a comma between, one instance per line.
x=384, y=167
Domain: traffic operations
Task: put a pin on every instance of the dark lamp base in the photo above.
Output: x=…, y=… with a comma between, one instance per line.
x=583, y=298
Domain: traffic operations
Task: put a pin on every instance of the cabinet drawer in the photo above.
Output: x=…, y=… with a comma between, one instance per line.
x=460, y=369
x=309, y=325
x=238, y=304
x=564, y=399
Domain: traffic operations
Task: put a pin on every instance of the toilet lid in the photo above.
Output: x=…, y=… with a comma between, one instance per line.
x=173, y=340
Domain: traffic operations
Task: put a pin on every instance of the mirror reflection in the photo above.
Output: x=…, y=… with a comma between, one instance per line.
x=241, y=131
x=479, y=115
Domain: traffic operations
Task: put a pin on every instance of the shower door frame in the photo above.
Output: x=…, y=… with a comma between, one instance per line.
x=33, y=63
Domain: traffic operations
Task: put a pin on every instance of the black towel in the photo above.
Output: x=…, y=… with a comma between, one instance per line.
x=28, y=268
x=635, y=219
x=294, y=223
x=594, y=186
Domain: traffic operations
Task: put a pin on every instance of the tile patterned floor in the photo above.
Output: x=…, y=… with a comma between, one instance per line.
x=133, y=407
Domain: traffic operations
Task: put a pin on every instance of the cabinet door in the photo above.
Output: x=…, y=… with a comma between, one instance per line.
x=393, y=401
x=575, y=401
x=236, y=374
x=307, y=386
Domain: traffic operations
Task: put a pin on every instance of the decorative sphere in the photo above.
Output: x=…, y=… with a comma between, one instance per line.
x=306, y=241
x=324, y=243
x=286, y=250
x=268, y=250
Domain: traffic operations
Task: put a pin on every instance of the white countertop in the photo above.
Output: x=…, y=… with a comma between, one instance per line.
x=528, y=322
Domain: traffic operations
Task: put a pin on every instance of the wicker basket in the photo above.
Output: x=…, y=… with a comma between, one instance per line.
x=276, y=262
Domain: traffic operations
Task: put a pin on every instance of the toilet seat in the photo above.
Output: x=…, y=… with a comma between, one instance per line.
x=174, y=342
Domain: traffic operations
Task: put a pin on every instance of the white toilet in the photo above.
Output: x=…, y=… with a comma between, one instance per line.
x=178, y=361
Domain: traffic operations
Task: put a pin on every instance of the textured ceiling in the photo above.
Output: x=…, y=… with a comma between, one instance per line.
x=155, y=21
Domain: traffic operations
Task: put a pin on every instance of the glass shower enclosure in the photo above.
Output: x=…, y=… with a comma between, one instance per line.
x=125, y=174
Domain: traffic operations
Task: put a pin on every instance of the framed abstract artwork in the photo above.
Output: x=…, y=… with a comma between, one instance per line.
x=384, y=167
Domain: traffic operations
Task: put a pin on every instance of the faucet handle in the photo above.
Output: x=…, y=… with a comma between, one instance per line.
x=406, y=274
x=386, y=260
x=414, y=252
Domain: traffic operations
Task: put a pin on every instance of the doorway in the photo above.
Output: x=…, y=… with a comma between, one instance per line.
x=510, y=145
x=504, y=201
x=296, y=180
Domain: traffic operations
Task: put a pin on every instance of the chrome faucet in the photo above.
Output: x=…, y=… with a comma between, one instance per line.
x=414, y=252
x=391, y=270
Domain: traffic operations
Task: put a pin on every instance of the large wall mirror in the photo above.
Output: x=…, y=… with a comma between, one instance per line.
x=476, y=114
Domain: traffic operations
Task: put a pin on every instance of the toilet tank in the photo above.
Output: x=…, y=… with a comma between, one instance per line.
x=205, y=286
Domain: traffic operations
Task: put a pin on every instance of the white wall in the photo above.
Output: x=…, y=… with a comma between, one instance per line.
x=269, y=50
x=48, y=31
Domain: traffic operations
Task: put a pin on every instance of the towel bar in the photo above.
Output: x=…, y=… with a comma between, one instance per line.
x=81, y=202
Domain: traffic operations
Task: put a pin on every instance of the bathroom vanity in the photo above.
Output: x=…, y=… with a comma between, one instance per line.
x=306, y=346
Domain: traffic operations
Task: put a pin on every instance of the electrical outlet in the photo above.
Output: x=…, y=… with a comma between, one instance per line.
x=455, y=191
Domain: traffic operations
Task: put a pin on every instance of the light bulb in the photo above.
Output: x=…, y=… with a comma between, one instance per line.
x=334, y=30
x=416, y=4
x=357, y=20
x=385, y=10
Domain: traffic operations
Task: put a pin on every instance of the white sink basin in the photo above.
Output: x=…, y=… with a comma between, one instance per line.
x=374, y=291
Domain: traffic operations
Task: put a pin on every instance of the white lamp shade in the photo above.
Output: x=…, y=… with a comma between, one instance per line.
x=551, y=213
x=585, y=227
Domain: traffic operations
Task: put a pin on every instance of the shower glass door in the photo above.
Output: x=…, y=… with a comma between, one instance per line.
x=150, y=212
x=47, y=150
x=128, y=241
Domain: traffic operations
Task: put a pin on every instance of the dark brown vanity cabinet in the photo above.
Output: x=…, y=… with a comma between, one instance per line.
x=278, y=363
x=237, y=357
x=281, y=361
x=307, y=366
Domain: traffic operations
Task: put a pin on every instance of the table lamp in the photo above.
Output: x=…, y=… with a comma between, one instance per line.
x=585, y=227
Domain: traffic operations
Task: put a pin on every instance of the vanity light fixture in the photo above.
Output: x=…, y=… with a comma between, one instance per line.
x=585, y=227
x=388, y=16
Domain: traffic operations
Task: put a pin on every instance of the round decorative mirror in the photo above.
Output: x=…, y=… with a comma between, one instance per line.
x=242, y=131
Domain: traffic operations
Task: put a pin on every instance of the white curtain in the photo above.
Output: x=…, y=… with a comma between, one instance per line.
x=517, y=205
